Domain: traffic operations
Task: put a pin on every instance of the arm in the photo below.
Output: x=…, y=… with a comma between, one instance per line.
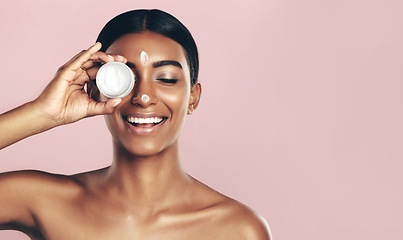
x=63, y=101
x=22, y=122
x=16, y=205
x=28, y=196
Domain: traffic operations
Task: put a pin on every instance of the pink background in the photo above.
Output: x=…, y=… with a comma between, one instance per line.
x=301, y=114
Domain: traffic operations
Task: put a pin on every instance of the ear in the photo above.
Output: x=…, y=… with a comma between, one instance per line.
x=93, y=92
x=194, y=98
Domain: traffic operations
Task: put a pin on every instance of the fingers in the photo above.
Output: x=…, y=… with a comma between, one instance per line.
x=83, y=57
x=99, y=108
x=83, y=66
x=98, y=57
x=118, y=58
x=87, y=58
x=101, y=57
x=72, y=70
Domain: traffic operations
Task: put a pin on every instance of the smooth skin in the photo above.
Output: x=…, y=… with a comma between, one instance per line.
x=145, y=193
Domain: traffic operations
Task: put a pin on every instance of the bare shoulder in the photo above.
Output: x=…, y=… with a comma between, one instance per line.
x=232, y=219
x=35, y=181
x=30, y=187
x=243, y=222
x=26, y=193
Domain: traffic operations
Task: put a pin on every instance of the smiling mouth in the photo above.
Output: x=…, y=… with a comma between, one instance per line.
x=144, y=121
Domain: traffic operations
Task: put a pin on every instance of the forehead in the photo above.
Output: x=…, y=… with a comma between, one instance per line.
x=157, y=46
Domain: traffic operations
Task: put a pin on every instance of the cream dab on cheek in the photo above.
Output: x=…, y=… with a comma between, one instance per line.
x=143, y=58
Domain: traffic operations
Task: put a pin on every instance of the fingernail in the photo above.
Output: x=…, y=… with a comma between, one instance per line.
x=111, y=57
x=116, y=102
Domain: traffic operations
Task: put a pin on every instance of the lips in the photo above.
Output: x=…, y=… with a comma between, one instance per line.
x=143, y=124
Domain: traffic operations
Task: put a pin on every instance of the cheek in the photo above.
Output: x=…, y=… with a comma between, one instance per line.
x=113, y=123
x=109, y=123
x=176, y=100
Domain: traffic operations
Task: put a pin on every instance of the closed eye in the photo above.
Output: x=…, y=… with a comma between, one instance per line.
x=168, y=80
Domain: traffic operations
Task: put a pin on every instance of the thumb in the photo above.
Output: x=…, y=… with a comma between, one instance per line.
x=101, y=108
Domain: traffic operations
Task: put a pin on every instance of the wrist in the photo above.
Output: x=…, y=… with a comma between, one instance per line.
x=40, y=116
x=22, y=122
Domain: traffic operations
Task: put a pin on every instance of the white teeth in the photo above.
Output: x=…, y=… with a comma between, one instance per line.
x=144, y=120
x=130, y=119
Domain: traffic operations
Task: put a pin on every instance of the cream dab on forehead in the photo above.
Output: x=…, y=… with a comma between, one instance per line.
x=143, y=58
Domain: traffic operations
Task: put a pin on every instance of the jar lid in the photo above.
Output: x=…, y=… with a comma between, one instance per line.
x=115, y=80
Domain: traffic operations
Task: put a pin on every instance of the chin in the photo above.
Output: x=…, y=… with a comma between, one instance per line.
x=143, y=149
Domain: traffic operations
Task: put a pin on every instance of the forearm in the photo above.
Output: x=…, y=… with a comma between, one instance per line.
x=63, y=101
x=22, y=122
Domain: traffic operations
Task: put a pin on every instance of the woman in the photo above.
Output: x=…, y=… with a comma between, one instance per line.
x=144, y=194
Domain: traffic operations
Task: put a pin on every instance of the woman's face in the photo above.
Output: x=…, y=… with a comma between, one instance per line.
x=146, y=126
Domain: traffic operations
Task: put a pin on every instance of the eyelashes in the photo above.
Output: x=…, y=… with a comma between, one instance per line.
x=168, y=80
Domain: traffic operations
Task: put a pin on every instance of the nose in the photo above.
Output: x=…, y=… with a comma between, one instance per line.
x=144, y=93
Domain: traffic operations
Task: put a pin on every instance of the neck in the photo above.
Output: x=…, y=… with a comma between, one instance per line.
x=154, y=180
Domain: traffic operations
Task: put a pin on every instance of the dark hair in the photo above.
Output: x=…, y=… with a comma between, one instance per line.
x=157, y=21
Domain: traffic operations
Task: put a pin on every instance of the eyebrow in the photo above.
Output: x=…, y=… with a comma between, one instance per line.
x=167, y=62
x=159, y=64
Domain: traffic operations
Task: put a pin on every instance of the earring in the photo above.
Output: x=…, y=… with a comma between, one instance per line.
x=190, y=109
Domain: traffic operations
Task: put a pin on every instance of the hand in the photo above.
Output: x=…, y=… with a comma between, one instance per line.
x=65, y=100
